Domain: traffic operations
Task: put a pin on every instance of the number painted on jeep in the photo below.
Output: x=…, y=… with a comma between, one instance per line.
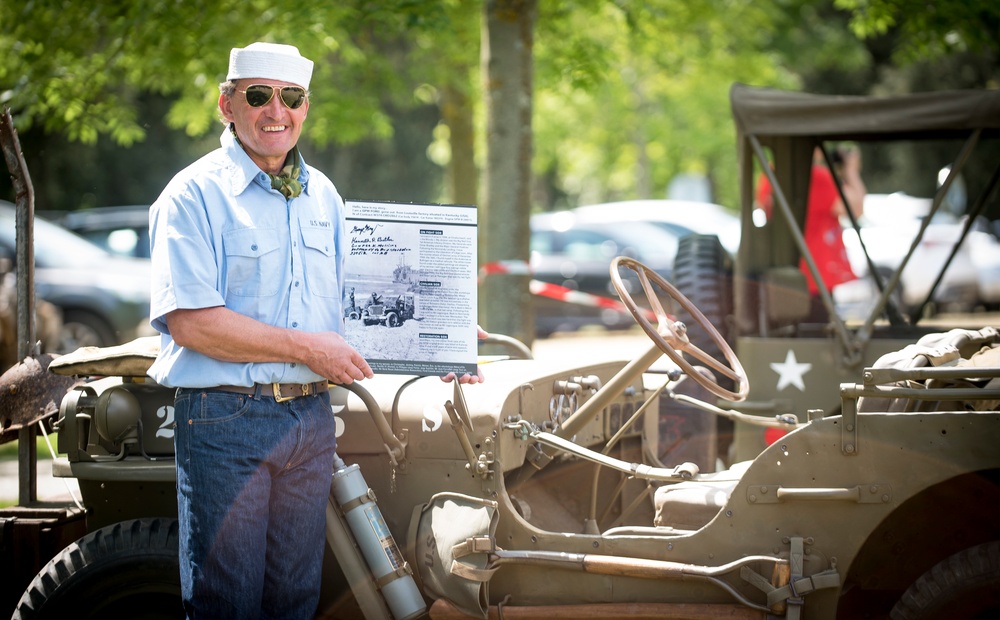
x=166, y=429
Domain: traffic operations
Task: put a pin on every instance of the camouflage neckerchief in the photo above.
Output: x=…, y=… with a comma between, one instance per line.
x=287, y=181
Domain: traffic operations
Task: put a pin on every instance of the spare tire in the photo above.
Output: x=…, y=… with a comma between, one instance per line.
x=703, y=273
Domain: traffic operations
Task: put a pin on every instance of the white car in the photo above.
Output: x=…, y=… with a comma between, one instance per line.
x=677, y=216
x=575, y=254
x=889, y=226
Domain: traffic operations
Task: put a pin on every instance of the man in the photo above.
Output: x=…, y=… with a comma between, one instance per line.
x=248, y=247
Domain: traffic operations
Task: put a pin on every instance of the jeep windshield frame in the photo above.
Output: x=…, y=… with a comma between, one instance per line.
x=791, y=125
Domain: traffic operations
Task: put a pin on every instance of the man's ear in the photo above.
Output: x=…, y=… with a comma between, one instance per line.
x=226, y=108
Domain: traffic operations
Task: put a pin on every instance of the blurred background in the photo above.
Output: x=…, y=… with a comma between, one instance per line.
x=518, y=106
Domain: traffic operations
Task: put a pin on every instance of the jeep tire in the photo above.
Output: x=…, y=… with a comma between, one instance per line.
x=126, y=570
x=961, y=587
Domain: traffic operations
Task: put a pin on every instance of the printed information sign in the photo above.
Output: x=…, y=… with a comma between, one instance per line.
x=410, y=304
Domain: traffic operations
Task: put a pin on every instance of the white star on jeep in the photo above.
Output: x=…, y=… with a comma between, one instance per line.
x=790, y=372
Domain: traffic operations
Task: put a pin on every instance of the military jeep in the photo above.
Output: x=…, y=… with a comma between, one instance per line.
x=379, y=312
x=544, y=492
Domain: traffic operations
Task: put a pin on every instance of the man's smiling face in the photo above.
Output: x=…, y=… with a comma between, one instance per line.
x=268, y=132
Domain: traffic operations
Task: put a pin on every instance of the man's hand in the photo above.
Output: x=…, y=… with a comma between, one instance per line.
x=467, y=378
x=329, y=355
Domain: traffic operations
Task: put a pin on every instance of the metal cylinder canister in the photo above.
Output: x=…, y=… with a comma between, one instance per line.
x=390, y=571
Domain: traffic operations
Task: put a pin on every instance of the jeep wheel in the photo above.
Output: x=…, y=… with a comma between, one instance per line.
x=392, y=319
x=126, y=570
x=961, y=587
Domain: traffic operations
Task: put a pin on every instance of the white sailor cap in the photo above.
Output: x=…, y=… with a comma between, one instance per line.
x=272, y=61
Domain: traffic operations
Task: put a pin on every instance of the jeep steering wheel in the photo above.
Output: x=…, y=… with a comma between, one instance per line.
x=671, y=336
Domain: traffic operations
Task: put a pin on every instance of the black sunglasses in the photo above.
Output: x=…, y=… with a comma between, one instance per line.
x=259, y=95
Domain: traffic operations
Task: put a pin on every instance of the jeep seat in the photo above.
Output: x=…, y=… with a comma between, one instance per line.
x=131, y=359
x=690, y=505
x=784, y=297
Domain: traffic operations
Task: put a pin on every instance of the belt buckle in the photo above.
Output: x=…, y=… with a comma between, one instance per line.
x=307, y=389
x=278, y=398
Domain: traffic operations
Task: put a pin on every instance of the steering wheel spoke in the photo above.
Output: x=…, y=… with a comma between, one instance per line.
x=654, y=300
x=671, y=336
x=710, y=361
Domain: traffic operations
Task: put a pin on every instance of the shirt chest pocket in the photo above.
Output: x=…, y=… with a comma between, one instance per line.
x=320, y=260
x=254, y=263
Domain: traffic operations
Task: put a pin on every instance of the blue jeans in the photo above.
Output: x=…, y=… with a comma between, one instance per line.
x=253, y=478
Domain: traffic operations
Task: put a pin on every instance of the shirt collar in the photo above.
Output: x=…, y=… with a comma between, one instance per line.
x=244, y=170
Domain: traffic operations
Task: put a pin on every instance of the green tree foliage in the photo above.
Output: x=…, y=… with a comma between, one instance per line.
x=814, y=42
x=627, y=93
x=444, y=64
x=83, y=81
x=929, y=29
x=77, y=68
x=632, y=93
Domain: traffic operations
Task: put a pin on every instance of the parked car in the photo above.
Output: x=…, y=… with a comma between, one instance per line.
x=888, y=227
x=573, y=252
x=677, y=216
x=104, y=298
x=119, y=230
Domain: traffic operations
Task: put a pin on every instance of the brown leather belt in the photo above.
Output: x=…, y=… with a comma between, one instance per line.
x=280, y=392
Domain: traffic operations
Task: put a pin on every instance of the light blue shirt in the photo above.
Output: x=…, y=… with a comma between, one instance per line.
x=220, y=236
